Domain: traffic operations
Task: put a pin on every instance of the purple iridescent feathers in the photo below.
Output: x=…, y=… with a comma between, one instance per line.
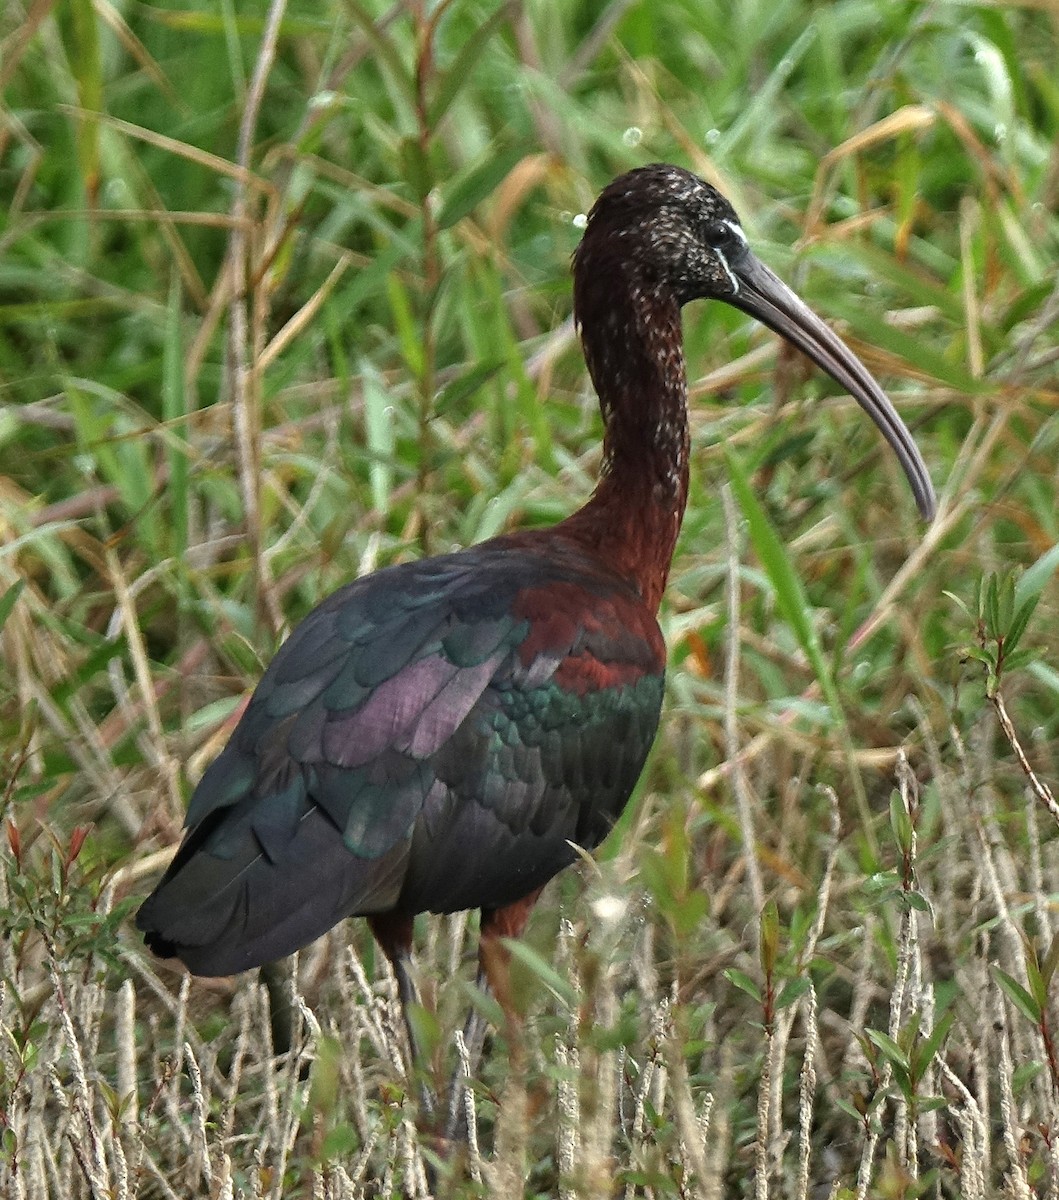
x=431, y=738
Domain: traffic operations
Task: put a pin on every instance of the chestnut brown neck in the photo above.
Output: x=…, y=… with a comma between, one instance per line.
x=633, y=345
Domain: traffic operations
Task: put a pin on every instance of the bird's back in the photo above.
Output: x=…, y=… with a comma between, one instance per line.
x=430, y=738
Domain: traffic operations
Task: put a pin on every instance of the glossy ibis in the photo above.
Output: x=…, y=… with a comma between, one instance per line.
x=434, y=737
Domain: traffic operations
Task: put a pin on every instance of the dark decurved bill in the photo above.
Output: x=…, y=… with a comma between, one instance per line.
x=765, y=296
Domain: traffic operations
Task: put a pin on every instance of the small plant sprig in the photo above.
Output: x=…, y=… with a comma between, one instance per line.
x=909, y=1057
x=784, y=981
x=899, y=883
x=1002, y=614
x=54, y=898
x=1004, y=608
x=1033, y=1000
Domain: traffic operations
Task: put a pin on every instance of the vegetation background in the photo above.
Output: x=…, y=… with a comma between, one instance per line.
x=284, y=297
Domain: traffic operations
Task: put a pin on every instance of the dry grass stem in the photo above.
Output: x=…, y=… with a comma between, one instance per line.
x=744, y=801
x=1041, y=791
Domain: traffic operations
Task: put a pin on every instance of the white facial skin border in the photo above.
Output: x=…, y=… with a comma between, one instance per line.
x=736, y=232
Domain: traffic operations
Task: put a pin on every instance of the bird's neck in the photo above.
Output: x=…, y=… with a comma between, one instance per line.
x=634, y=349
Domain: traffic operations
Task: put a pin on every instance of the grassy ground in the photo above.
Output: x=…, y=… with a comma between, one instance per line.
x=284, y=297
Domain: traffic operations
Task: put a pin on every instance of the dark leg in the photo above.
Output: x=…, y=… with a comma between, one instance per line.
x=280, y=1014
x=494, y=975
x=394, y=935
x=474, y=1031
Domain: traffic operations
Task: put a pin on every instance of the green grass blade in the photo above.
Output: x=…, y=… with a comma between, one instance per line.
x=1035, y=578
x=9, y=599
x=460, y=71
x=797, y=611
x=790, y=595
x=379, y=434
x=469, y=189
x=83, y=47
x=174, y=413
x=917, y=352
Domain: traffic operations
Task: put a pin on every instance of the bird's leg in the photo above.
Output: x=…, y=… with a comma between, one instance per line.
x=273, y=975
x=474, y=1031
x=494, y=976
x=394, y=935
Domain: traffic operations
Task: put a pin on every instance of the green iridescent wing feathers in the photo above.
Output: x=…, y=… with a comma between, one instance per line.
x=430, y=738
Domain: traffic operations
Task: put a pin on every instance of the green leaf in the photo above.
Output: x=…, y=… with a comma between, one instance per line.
x=370, y=281
x=900, y=822
x=1035, y=980
x=1051, y=959
x=466, y=384
x=979, y=655
x=744, y=983
x=416, y=168
x=425, y=1028
x=992, y=607
x=770, y=938
x=1018, y=660
x=924, y=1053
x=1018, y=995
x=688, y=912
x=461, y=69
x=1005, y=601
x=849, y=1109
x=752, y=120
x=1045, y=675
x=956, y=600
x=558, y=985
x=1017, y=627
x=386, y=49
x=1033, y=580
x=882, y=882
x=1023, y=1075
x=792, y=991
x=484, y=1003
x=339, y=1143
x=889, y=1049
x=880, y=263
x=470, y=188
x=9, y=599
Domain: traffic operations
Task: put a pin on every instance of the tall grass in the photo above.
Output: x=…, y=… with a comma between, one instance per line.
x=284, y=297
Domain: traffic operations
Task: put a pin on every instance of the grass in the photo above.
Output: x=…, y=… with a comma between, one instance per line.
x=284, y=297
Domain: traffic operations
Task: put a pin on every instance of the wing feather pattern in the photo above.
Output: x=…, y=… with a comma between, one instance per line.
x=431, y=738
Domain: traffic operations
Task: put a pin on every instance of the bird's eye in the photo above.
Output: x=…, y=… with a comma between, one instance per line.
x=721, y=235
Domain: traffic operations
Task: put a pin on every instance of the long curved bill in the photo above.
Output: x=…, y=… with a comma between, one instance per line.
x=766, y=297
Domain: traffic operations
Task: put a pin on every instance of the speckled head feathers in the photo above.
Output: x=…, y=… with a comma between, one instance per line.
x=658, y=237
x=665, y=227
